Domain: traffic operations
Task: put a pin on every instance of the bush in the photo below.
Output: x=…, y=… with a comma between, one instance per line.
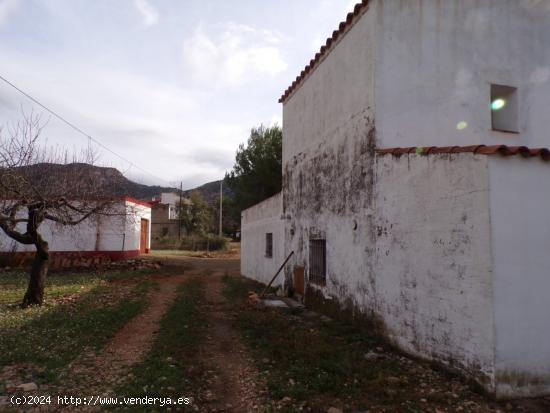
x=203, y=242
x=165, y=243
x=208, y=242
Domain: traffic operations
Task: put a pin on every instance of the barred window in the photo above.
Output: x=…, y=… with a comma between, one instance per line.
x=318, y=261
x=269, y=245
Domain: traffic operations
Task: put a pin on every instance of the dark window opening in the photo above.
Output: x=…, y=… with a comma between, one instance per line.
x=269, y=245
x=318, y=261
x=504, y=108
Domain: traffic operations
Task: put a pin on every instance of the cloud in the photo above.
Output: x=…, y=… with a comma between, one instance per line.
x=149, y=14
x=350, y=6
x=276, y=120
x=220, y=159
x=7, y=8
x=236, y=54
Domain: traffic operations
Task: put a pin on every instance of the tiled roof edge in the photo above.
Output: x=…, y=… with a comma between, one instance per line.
x=504, y=150
x=342, y=28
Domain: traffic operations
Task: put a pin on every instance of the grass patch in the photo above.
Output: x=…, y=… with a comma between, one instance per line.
x=170, y=368
x=178, y=253
x=13, y=284
x=81, y=311
x=321, y=363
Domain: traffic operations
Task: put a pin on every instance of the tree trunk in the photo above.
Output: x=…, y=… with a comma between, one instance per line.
x=35, y=290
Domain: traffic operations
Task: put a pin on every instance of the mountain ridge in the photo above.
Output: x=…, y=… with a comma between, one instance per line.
x=111, y=181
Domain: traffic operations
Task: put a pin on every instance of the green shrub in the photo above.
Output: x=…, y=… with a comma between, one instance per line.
x=165, y=243
x=203, y=242
x=195, y=242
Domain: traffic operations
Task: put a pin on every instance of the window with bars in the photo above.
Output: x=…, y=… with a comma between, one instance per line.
x=269, y=245
x=318, y=261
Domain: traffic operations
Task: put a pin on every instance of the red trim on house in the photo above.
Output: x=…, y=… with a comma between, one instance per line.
x=65, y=259
x=504, y=150
x=114, y=255
x=137, y=201
x=342, y=28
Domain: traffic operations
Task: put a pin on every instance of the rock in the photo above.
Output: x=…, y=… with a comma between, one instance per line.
x=28, y=387
x=393, y=380
x=334, y=410
x=3, y=400
x=286, y=400
x=371, y=355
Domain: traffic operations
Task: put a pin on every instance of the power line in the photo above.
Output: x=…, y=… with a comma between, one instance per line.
x=76, y=128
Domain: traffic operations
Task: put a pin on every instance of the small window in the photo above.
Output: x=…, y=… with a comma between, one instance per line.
x=269, y=245
x=504, y=108
x=318, y=261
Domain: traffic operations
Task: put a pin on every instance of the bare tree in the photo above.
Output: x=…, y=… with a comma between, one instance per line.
x=38, y=184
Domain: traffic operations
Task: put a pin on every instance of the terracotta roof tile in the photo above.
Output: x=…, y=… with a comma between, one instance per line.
x=504, y=150
x=342, y=27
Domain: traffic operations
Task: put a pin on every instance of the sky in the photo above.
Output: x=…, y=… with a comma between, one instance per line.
x=173, y=86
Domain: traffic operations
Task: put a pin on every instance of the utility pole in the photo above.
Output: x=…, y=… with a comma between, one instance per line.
x=221, y=205
x=179, y=212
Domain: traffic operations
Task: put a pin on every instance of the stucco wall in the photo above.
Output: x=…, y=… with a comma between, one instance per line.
x=336, y=99
x=433, y=258
x=520, y=204
x=328, y=142
x=415, y=241
x=436, y=61
x=256, y=221
x=100, y=233
x=132, y=225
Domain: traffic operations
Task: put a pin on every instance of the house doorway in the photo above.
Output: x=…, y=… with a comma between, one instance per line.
x=144, y=236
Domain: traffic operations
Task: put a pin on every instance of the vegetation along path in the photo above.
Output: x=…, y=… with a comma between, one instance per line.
x=100, y=373
x=188, y=330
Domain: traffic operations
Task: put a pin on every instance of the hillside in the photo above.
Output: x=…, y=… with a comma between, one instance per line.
x=111, y=181
x=211, y=191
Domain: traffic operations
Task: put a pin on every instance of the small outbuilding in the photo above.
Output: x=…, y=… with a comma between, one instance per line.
x=123, y=234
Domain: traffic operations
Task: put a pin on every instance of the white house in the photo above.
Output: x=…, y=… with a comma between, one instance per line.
x=262, y=238
x=125, y=234
x=416, y=183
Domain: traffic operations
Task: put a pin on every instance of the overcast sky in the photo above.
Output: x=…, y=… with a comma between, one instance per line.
x=174, y=86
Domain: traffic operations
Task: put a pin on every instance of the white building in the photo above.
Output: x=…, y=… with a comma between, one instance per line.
x=125, y=234
x=413, y=192
x=262, y=237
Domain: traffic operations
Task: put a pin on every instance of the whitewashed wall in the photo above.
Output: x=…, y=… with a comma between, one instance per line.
x=100, y=233
x=520, y=218
x=256, y=221
x=436, y=60
x=132, y=228
x=430, y=246
x=433, y=283
x=328, y=128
